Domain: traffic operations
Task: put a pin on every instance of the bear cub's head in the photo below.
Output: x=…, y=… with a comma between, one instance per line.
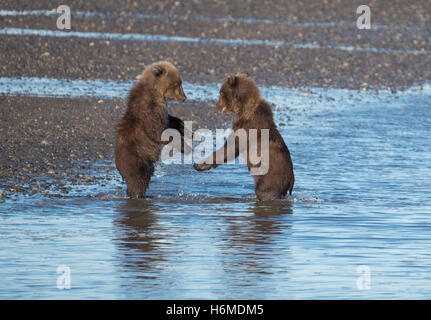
x=166, y=80
x=238, y=93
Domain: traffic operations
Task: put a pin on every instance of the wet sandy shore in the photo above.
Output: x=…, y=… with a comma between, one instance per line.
x=48, y=140
x=399, y=27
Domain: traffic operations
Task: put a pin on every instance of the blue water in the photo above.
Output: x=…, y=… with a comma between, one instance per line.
x=362, y=197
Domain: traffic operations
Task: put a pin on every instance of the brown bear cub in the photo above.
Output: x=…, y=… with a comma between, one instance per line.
x=240, y=95
x=139, y=132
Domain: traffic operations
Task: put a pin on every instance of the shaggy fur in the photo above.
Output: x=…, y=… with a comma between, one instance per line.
x=139, y=132
x=240, y=95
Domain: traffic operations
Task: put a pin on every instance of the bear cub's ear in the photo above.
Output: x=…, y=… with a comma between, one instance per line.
x=232, y=80
x=158, y=70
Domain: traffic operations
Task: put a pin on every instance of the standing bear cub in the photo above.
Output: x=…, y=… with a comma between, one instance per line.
x=240, y=95
x=139, y=132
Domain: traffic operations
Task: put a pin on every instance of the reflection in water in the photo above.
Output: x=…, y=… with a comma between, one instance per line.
x=138, y=238
x=252, y=244
x=271, y=208
x=244, y=245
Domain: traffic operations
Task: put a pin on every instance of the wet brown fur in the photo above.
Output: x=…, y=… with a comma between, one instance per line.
x=240, y=95
x=139, y=131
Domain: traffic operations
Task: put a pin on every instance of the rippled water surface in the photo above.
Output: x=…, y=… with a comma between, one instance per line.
x=362, y=198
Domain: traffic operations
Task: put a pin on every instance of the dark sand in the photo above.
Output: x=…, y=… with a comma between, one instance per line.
x=49, y=140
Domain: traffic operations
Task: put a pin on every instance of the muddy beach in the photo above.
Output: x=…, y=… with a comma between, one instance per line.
x=47, y=142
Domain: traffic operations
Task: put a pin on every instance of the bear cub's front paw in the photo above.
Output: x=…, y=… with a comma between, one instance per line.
x=202, y=166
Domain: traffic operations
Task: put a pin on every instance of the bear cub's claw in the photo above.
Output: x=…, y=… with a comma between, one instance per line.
x=202, y=166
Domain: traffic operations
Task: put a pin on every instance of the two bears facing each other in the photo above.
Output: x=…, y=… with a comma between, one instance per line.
x=139, y=132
